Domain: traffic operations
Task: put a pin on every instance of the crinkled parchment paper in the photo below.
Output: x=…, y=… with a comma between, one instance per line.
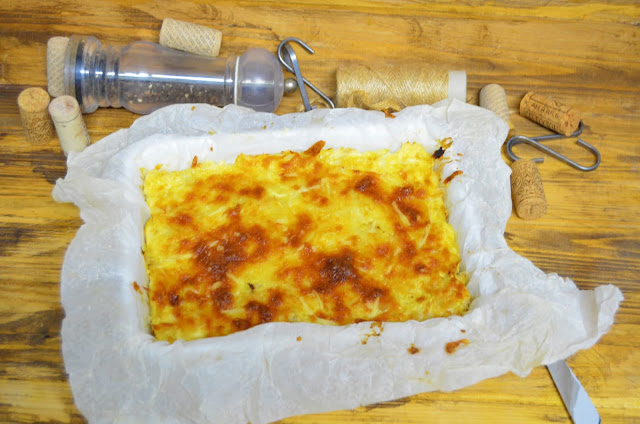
x=520, y=317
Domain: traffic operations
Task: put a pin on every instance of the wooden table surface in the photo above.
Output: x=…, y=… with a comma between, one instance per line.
x=586, y=54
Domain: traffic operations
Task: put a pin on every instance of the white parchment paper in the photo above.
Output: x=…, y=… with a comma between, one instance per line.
x=520, y=317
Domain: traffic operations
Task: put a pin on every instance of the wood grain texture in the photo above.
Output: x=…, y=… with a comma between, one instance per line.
x=585, y=54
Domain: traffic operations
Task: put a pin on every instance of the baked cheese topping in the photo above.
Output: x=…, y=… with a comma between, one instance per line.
x=328, y=236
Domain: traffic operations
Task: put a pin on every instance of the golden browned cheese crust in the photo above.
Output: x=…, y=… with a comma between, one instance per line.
x=329, y=236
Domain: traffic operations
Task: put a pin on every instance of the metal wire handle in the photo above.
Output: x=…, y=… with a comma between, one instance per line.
x=290, y=63
x=535, y=142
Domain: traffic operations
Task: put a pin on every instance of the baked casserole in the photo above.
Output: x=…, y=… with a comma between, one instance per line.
x=327, y=236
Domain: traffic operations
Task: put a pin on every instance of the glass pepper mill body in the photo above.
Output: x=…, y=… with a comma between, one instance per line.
x=145, y=76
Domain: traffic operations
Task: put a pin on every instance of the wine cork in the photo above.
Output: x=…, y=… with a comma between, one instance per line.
x=190, y=37
x=550, y=113
x=494, y=98
x=67, y=118
x=56, y=50
x=527, y=190
x=33, y=103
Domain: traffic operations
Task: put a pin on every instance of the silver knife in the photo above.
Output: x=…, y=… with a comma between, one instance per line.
x=574, y=396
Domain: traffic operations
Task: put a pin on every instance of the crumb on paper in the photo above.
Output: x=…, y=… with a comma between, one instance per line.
x=438, y=153
x=451, y=347
x=316, y=148
x=376, y=330
x=299, y=338
x=452, y=176
x=194, y=162
x=445, y=142
x=413, y=349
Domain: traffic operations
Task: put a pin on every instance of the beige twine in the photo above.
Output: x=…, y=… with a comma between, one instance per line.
x=382, y=87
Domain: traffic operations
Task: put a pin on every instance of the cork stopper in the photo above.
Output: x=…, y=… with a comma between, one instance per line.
x=67, y=118
x=33, y=103
x=56, y=50
x=527, y=190
x=190, y=37
x=550, y=113
x=494, y=98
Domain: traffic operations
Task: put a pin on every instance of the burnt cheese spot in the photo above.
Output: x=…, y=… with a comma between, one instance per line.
x=373, y=293
x=368, y=185
x=255, y=192
x=275, y=298
x=222, y=298
x=421, y=268
x=229, y=248
x=241, y=324
x=383, y=249
x=182, y=219
x=426, y=267
x=402, y=193
x=234, y=213
x=335, y=270
x=412, y=214
x=409, y=249
x=340, y=311
x=259, y=312
x=174, y=299
x=297, y=234
x=319, y=199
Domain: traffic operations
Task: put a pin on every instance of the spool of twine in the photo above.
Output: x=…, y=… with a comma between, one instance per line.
x=527, y=191
x=33, y=103
x=190, y=37
x=395, y=87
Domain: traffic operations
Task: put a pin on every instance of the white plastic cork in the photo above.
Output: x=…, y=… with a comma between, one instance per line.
x=190, y=37
x=70, y=126
x=56, y=49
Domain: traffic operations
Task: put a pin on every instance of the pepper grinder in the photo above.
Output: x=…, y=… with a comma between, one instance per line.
x=145, y=76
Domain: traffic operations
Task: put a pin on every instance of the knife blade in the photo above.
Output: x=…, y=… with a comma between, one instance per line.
x=575, y=397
